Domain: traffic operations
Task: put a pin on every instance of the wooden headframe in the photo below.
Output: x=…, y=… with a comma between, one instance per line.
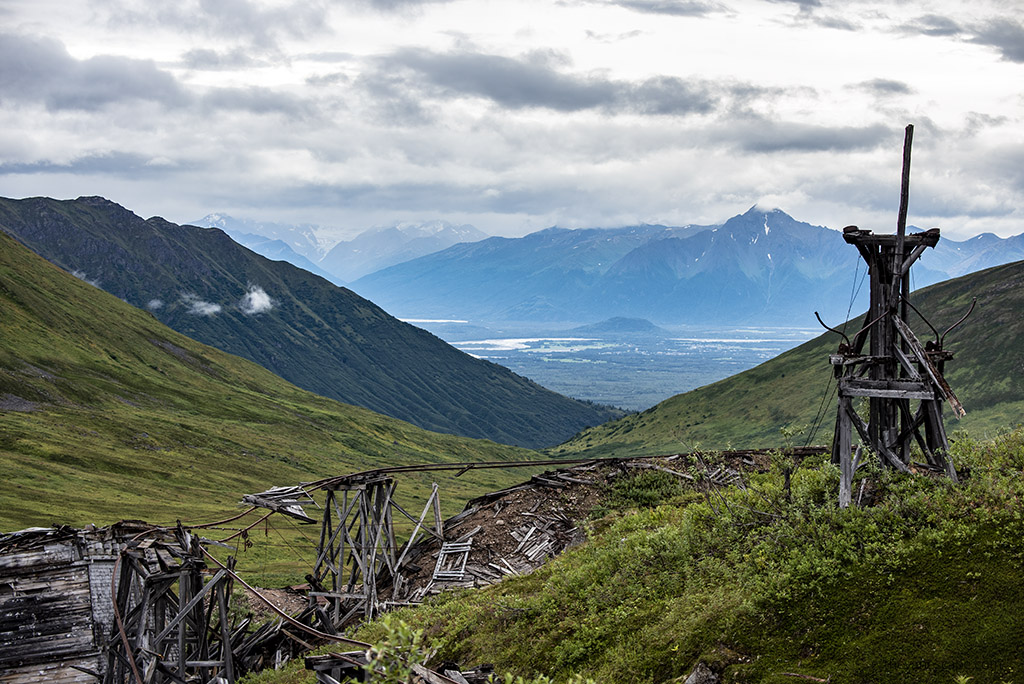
x=897, y=369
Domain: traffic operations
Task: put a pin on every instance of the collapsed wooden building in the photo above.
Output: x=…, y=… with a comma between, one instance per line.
x=55, y=609
x=127, y=603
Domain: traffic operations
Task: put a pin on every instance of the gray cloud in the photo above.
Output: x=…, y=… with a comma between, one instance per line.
x=40, y=69
x=242, y=20
x=763, y=136
x=446, y=197
x=400, y=5
x=395, y=101
x=613, y=37
x=836, y=22
x=332, y=57
x=212, y=60
x=677, y=8
x=933, y=25
x=803, y=4
x=531, y=82
x=257, y=100
x=1005, y=35
x=1006, y=162
x=113, y=163
x=884, y=86
x=978, y=121
x=334, y=78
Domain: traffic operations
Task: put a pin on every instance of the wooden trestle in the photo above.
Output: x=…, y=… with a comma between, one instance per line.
x=171, y=618
x=358, y=552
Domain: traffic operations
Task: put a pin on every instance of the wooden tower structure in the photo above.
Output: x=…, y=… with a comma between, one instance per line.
x=897, y=368
x=357, y=551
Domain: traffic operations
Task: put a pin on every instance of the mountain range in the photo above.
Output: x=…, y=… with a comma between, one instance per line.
x=278, y=250
x=379, y=248
x=303, y=240
x=324, y=338
x=758, y=268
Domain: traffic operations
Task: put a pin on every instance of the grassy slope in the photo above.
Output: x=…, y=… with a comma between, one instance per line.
x=133, y=420
x=749, y=409
x=323, y=338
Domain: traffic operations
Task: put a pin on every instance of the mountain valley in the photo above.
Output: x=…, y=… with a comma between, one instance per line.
x=106, y=413
x=324, y=338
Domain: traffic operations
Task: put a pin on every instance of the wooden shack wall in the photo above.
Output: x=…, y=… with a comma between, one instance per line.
x=47, y=624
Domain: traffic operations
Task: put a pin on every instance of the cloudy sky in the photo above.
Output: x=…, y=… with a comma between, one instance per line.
x=515, y=115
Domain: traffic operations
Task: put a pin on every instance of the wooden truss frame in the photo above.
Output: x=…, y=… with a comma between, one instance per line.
x=358, y=551
x=171, y=617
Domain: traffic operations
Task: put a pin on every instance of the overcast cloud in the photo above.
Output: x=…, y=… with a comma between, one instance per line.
x=515, y=115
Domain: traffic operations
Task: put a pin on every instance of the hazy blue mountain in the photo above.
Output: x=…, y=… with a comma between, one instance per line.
x=549, y=275
x=303, y=239
x=758, y=268
x=321, y=337
x=620, y=325
x=954, y=259
x=379, y=248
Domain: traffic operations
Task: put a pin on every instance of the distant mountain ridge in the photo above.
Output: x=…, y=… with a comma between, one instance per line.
x=761, y=267
x=549, y=275
x=279, y=250
x=620, y=324
x=344, y=261
x=379, y=248
x=323, y=338
x=302, y=239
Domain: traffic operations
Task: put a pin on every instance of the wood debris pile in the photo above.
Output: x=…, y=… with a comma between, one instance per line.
x=509, y=532
x=516, y=530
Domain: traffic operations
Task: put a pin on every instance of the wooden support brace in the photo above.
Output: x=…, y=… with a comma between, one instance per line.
x=933, y=373
x=883, y=450
x=192, y=603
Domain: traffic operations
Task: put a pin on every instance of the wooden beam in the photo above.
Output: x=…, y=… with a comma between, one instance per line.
x=886, y=389
x=922, y=357
x=882, y=449
x=192, y=603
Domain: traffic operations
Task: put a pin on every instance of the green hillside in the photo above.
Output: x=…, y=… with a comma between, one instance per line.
x=750, y=409
x=106, y=414
x=323, y=338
